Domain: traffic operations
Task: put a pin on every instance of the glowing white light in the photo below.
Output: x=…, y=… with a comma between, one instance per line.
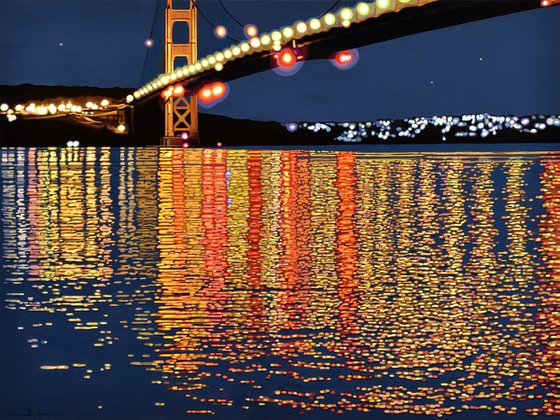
x=255, y=42
x=383, y=4
x=315, y=24
x=276, y=36
x=363, y=9
x=346, y=14
x=329, y=19
x=288, y=33
x=129, y=98
x=219, y=67
x=301, y=27
x=105, y=102
x=4, y=107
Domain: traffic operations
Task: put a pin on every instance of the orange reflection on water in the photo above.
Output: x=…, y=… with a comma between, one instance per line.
x=310, y=280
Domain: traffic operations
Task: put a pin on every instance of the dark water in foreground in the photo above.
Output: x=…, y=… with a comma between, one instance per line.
x=146, y=283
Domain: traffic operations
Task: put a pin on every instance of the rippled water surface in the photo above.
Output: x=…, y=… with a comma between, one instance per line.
x=155, y=283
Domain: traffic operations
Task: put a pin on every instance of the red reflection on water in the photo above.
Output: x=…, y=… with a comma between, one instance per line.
x=548, y=317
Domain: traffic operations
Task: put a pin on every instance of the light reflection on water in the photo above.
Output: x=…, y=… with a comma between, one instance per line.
x=240, y=282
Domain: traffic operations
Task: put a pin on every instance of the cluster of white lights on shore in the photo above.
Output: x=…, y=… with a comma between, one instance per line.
x=465, y=126
x=275, y=40
x=54, y=109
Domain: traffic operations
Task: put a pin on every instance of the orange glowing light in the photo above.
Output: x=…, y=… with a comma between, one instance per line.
x=251, y=31
x=220, y=31
x=167, y=93
x=178, y=90
x=212, y=92
x=218, y=90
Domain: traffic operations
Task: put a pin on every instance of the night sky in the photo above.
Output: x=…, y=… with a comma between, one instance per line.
x=504, y=65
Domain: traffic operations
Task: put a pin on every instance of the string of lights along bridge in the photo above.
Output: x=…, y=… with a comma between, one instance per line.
x=334, y=35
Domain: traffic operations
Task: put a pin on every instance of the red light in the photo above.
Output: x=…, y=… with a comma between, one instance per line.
x=219, y=144
x=184, y=135
x=185, y=144
x=545, y=3
x=345, y=60
x=286, y=58
x=344, y=57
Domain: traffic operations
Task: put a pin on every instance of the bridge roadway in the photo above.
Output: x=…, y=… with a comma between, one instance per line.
x=408, y=21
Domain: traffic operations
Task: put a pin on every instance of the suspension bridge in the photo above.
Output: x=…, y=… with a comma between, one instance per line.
x=335, y=33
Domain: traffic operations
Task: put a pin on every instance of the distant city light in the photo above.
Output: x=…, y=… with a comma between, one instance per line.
x=470, y=126
x=292, y=127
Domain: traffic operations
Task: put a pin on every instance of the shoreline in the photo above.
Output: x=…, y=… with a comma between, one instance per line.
x=147, y=129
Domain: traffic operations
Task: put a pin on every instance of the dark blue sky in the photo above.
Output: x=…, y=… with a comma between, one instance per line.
x=103, y=45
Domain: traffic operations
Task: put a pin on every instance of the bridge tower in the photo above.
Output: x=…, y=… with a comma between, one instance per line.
x=181, y=113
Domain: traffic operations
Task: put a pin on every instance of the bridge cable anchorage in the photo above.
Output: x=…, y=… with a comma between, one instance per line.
x=151, y=37
x=212, y=24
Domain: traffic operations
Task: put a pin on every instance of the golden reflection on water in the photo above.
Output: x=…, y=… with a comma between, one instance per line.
x=314, y=280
